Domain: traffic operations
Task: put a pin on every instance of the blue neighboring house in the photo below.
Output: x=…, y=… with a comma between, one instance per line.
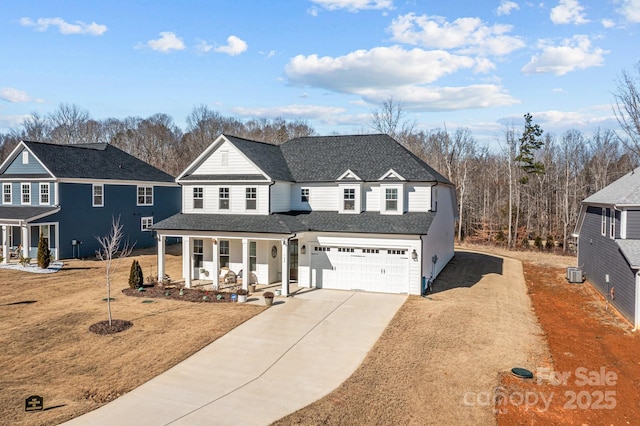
x=70, y=193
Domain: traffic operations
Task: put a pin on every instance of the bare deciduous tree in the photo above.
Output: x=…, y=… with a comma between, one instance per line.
x=390, y=120
x=112, y=248
x=627, y=108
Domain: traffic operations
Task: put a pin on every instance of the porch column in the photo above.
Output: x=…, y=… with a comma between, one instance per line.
x=246, y=273
x=5, y=243
x=216, y=264
x=187, y=268
x=285, y=267
x=25, y=241
x=161, y=252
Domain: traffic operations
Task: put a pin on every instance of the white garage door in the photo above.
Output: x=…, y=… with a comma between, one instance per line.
x=352, y=268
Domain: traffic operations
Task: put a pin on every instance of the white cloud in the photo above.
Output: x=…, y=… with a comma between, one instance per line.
x=568, y=12
x=269, y=54
x=630, y=9
x=168, y=41
x=235, y=46
x=9, y=94
x=378, y=67
x=78, y=27
x=468, y=35
x=295, y=111
x=12, y=121
x=555, y=121
x=573, y=54
x=203, y=47
x=352, y=5
x=506, y=7
x=608, y=23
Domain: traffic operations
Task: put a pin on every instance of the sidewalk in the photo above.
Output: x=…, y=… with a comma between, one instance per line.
x=274, y=364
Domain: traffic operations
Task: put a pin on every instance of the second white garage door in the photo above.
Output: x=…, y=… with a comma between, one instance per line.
x=369, y=269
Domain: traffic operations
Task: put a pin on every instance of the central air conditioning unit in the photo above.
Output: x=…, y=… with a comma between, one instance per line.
x=574, y=275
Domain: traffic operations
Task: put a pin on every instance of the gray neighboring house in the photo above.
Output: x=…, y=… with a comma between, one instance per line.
x=340, y=212
x=608, y=231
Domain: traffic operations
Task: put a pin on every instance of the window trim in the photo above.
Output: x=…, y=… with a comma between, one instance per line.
x=345, y=199
x=10, y=193
x=144, y=196
x=612, y=223
x=387, y=200
x=603, y=222
x=25, y=157
x=93, y=195
x=48, y=193
x=197, y=190
x=305, y=195
x=22, y=193
x=226, y=191
x=253, y=256
x=145, y=220
x=227, y=254
x=251, y=190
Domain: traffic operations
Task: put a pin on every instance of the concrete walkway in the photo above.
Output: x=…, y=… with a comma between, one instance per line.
x=274, y=364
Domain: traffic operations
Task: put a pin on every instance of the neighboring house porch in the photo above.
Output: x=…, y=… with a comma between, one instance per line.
x=18, y=233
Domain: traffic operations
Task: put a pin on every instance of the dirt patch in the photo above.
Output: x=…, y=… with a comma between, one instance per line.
x=103, y=327
x=182, y=294
x=595, y=374
x=441, y=355
x=48, y=350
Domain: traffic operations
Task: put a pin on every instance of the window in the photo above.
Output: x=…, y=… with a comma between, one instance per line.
x=25, y=157
x=198, y=197
x=612, y=223
x=316, y=248
x=252, y=195
x=223, y=198
x=391, y=199
x=145, y=195
x=98, y=196
x=398, y=252
x=198, y=253
x=349, y=199
x=224, y=253
x=26, y=193
x=371, y=251
x=304, y=195
x=345, y=250
x=224, y=158
x=44, y=193
x=6, y=193
x=603, y=226
x=146, y=223
x=253, y=259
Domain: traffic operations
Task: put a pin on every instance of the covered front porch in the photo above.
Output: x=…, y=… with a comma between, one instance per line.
x=19, y=234
x=220, y=259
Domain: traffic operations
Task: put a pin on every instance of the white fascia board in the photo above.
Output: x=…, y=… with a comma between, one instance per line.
x=212, y=147
x=14, y=154
x=347, y=173
x=390, y=173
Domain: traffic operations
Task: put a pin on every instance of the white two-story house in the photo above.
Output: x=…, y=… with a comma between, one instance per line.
x=339, y=212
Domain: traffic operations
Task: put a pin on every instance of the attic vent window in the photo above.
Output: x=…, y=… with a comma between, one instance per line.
x=25, y=157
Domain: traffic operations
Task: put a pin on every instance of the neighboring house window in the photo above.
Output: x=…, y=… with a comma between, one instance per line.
x=6, y=193
x=26, y=193
x=198, y=197
x=350, y=199
x=304, y=195
x=252, y=196
x=224, y=253
x=146, y=223
x=25, y=157
x=224, y=158
x=612, y=223
x=145, y=195
x=253, y=260
x=98, y=196
x=44, y=193
x=391, y=199
x=603, y=226
x=223, y=198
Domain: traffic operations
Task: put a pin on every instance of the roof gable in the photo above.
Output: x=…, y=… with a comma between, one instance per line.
x=349, y=175
x=391, y=175
x=21, y=162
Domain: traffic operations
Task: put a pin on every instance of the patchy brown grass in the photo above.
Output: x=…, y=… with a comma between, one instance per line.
x=48, y=350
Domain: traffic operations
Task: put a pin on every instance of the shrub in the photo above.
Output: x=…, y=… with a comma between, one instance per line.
x=538, y=242
x=44, y=254
x=136, y=279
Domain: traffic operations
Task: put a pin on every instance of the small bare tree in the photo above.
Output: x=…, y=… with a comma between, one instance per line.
x=112, y=248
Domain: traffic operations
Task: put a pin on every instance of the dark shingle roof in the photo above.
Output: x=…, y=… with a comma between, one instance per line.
x=269, y=158
x=413, y=223
x=25, y=212
x=95, y=161
x=625, y=190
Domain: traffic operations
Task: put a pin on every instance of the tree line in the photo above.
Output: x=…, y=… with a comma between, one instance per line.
x=526, y=193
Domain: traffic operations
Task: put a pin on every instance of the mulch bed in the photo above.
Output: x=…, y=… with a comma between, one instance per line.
x=103, y=327
x=186, y=294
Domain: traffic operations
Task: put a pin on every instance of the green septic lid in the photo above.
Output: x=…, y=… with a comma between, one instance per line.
x=522, y=373
x=147, y=301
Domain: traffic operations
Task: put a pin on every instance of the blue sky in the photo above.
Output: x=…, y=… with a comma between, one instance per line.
x=455, y=63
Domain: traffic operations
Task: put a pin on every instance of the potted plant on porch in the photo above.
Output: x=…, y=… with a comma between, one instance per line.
x=242, y=295
x=268, y=298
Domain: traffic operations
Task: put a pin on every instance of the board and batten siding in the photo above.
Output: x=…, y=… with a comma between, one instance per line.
x=237, y=199
x=234, y=164
x=599, y=256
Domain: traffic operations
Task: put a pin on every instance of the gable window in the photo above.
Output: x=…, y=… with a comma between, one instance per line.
x=25, y=157
x=145, y=195
x=349, y=199
x=251, y=198
x=304, y=195
x=44, y=193
x=26, y=193
x=6, y=193
x=198, y=197
x=224, y=253
x=391, y=199
x=612, y=223
x=223, y=198
x=603, y=225
x=146, y=223
x=98, y=195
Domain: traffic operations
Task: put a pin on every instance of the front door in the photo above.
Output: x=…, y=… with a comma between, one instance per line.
x=293, y=260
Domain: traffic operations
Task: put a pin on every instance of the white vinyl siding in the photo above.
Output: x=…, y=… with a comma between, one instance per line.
x=236, y=163
x=280, y=197
x=322, y=197
x=418, y=198
x=237, y=198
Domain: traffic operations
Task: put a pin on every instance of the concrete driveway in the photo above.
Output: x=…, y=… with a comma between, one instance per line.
x=274, y=364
